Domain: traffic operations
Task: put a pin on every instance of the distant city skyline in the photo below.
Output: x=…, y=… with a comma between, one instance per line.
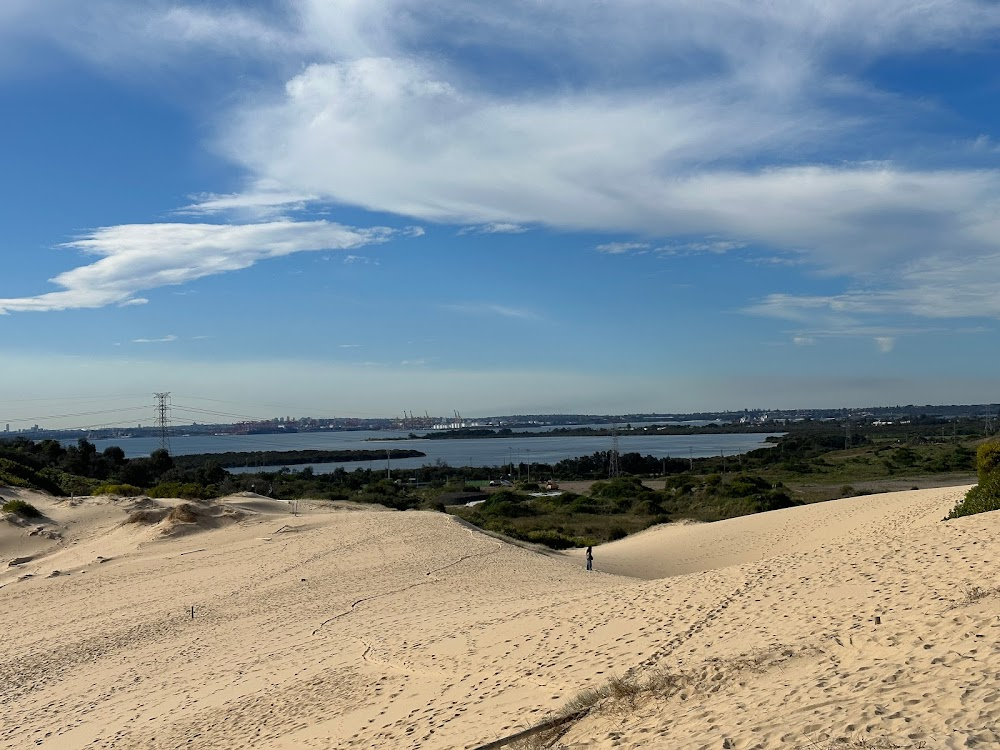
x=348, y=208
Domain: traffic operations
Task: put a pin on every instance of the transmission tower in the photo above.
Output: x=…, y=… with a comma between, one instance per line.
x=614, y=467
x=163, y=418
x=847, y=434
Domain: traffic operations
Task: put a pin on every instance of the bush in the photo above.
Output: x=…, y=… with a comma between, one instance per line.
x=616, y=532
x=550, y=538
x=186, y=491
x=121, y=490
x=21, y=508
x=619, y=488
x=982, y=498
x=69, y=484
x=985, y=496
x=987, y=459
x=505, y=505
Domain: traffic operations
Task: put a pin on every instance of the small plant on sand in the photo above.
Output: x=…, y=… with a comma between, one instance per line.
x=974, y=593
x=21, y=508
x=146, y=515
x=183, y=513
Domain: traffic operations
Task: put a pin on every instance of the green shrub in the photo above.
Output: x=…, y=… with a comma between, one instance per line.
x=550, y=538
x=619, y=488
x=982, y=498
x=616, y=532
x=69, y=484
x=185, y=491
x=21, y=508
x=13, y=481
x=987, y=459
x=985, y=496
x=121, y=490
x=16, y=474
x=505, y=505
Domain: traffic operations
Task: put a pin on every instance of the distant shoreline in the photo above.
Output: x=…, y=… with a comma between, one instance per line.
x=479, y=433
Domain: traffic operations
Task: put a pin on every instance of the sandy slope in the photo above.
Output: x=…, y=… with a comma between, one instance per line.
x=380, y=629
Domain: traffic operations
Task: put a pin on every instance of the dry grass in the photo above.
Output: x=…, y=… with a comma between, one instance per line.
x=183, y=513
x=872, y=743
x=148, y=515
x=620, y=696
x=974, y=593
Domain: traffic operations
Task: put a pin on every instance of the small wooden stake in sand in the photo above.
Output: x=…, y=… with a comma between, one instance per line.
x=192, y=613
x=878, y=620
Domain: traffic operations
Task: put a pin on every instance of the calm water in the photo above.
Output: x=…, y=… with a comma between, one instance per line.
x=457, y=452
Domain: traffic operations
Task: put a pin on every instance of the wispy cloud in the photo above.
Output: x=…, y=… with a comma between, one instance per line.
x=492, y=309
x=349, y=346
x=494, y=228
x=137, y=257
x=710, y=246
x=257, y=203
x=620, y=248
x=166, y=339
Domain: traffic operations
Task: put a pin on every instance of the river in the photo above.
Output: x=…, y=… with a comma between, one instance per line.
x=455, y=452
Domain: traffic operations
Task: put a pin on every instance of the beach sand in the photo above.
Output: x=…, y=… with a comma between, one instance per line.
x=346, y=627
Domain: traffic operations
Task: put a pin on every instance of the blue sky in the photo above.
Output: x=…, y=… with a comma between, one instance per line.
x=346, y=207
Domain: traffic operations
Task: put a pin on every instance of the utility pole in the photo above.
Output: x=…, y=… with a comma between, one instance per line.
x=163, y=418
x=388, y=470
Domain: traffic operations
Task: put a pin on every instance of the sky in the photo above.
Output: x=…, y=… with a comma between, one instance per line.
x=360, y=207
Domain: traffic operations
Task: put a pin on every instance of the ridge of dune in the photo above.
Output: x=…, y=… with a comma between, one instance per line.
x=678, y=548
x=410, y=630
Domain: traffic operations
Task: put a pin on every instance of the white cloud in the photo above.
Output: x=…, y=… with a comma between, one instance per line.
x=164, y=340
x=710, y=246
x=885, y=343
x=136, y=257
x=639, y=117
x=633, y=161
x=620, y=248
x=255, y=203
x=803, y=340
x=494, y=228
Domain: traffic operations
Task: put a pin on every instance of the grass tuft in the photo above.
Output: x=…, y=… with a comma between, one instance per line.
x=21, y=508
x=183, y=513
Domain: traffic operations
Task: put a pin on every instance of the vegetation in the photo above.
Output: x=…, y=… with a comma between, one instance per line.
x=814, y=461
x=985, y=496
x=21, y=508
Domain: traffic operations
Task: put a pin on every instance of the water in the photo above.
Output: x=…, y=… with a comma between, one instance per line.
x=455, y=452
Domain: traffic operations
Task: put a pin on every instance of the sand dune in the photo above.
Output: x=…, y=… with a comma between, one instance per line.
x=334, y=628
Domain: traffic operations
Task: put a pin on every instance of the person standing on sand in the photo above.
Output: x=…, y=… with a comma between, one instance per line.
x=590, y=558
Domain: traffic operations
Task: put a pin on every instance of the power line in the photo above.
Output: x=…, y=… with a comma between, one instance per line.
x=76, y=414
